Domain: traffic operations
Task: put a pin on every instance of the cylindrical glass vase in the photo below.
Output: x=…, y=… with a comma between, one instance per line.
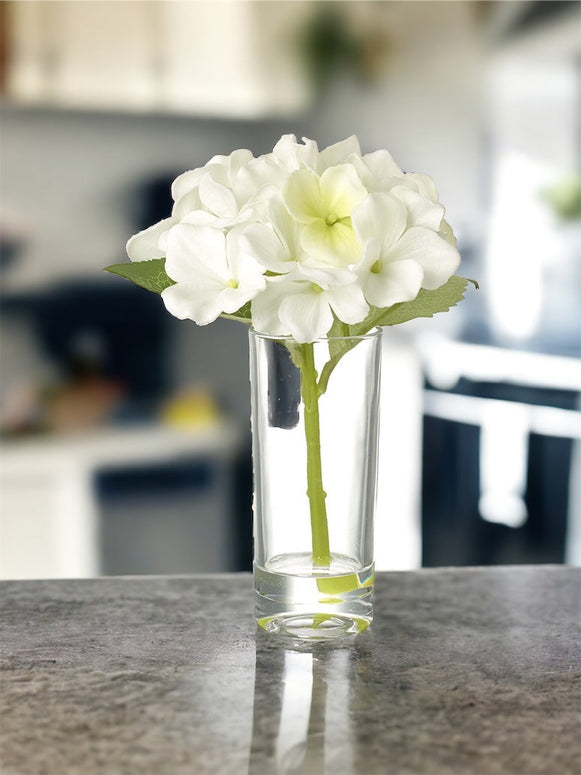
x=315, y=423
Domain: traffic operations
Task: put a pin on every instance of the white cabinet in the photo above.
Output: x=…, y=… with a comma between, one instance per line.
x=231, y=59
x=49, y=515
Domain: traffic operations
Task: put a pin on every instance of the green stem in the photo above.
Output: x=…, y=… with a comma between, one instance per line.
x=315, y=491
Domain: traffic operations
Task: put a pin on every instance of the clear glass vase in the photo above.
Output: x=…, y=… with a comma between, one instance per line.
x=315, y=422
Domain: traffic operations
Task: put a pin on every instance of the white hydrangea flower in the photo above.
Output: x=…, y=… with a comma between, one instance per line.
x=211, y=274
x=398, y=260
x=302, y=303
x=323, y=204
x=276, y=243
x=227, y=186
x=308, y=236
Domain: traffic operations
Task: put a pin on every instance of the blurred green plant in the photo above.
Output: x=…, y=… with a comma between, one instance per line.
x=330, y=46
x=564, y=198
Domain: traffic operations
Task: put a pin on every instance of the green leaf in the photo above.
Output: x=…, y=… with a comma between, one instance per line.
x=150, y=275
x=425, y=305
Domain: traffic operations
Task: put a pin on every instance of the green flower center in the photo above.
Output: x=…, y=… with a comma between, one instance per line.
x=377, y=266
x=316, y=288
x=331, y=219
x=232, y=283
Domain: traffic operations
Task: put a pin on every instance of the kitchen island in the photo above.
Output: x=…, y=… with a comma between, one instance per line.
x=471, y=670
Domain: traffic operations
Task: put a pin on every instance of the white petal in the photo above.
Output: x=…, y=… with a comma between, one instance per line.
x=218, y=170
x=243, y=268
x=447, y=234
x=308, y=153
x=306, y=314
x=237, y=160
x=196, y=250
x=380, y=216
x=253, y=180
x=205, y=297
x=265, y=307
x=144, y=245
x=217, y=198
x=341, y=190
x=288, y=232
x=348, y=303
x=302, y=196
x=398, y=281
x=371, y=252
x=186, y=182
x=423, y=184
x=285, y=151
x=335, y=245
x=295, y=156
x=438, y=259
x=203, y=218
x=186, y=204
x=326, y=277
x=260, y=241
x=381, y=167
x=285, y=226
x=249, y=275
x=339, y=153
x=421, y=210
x=231, y=299
x=193, y=301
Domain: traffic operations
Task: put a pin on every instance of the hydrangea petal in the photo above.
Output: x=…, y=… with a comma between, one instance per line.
x=243, y=268
x=447, y=234
x=378, y=168
x=197, y=301
x=397, y=281
x=265, y=307
x=204, y=218
x=231, y=299
x=264, y=175
x=423, y=184
x=260, y=241
x=295, y=156
x=438, y=259
x=341, y=190
x=421, y=210
x=380, y=216
x=336, y=245
x=306, y=313
x=339, y=153
x=302, y=196
x=145, y=245
x=348, y=303
x=217, y=198
x=187, y=204
x=237, y=160
x=326, y=277
x=192, y=250
x=186, y=182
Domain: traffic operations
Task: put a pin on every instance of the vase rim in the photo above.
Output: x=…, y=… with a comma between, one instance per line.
x=372, y=334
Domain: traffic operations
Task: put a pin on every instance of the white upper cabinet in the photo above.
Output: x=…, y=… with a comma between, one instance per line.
x=229, y=59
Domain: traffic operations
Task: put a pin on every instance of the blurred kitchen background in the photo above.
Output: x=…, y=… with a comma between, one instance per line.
x=125, y=433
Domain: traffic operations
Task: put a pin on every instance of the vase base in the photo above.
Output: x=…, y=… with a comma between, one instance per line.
x=313, y=626
x=301, y=600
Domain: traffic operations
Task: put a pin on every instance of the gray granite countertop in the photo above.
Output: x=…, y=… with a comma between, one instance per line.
x=464, y=671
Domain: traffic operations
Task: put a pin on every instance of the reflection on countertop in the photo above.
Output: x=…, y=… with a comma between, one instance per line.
x=463, y=670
